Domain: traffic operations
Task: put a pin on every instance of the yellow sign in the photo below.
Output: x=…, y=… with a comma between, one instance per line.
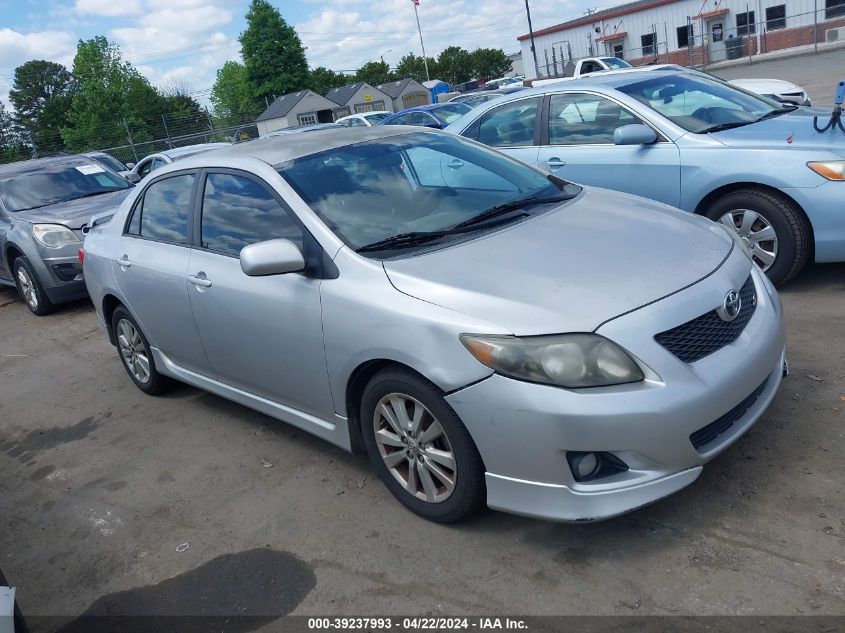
x=368, y=98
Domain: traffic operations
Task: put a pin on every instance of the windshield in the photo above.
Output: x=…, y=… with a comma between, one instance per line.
x=110, y=161
x=615, y=62
x=57, y=183
x=375, y=119
x=698, y=103
x=452, y=111
x=408, y=183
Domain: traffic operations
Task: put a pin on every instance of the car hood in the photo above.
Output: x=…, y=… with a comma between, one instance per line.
x=787, y=131
x=569, y=269
x=75, y=214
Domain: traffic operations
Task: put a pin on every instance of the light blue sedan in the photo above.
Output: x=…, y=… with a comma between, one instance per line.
x=690, y=141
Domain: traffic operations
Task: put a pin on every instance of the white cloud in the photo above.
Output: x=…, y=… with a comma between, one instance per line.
x=108, y=8
x=16, y=47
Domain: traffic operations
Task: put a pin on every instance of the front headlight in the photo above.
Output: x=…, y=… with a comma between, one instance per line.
x=566, y=360
x=830, y=169
x=54, y=235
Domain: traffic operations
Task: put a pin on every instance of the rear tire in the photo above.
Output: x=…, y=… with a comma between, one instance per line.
x=752, y=211
x=424, y=460
x=30, y=289
x=135, y=354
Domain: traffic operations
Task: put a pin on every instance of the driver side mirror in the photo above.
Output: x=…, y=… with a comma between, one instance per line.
x=273, y=257
x=130, y=165
x=634, y=134
x=133, y=178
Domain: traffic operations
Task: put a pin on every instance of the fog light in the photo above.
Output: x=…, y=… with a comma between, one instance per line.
x=592, y=466
x=585, y=466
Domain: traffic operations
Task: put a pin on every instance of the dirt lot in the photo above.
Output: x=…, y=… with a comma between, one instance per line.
x=110, y=499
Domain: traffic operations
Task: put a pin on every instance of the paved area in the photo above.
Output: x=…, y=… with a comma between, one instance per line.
x=110, y=499
x=817, y=74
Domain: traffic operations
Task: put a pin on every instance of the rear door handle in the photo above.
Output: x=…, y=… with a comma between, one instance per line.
x=200, y=281
x=455, y=164
x=124, y=262
x=555, y=162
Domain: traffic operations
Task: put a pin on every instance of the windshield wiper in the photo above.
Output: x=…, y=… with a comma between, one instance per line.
x=513, y=205
x=414, y=238
x=94, y=193
x=727, y=126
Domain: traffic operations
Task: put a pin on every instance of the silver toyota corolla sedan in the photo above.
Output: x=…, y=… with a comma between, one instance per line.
x=485, y=332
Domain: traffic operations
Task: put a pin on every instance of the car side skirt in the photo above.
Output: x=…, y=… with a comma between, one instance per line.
x=336, y=432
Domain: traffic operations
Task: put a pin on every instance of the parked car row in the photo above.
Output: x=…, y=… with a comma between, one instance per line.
x=465, y=306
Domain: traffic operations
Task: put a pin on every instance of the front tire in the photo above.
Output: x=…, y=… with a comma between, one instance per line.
x=420, y=449
x=30, y=289
x=135, y=355
x=776, y=232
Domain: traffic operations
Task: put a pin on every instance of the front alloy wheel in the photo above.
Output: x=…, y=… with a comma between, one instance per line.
x=415, y=448
x=420, y=448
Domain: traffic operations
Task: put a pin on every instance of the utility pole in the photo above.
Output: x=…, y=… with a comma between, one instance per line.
x=531, y=35
x=419, y=30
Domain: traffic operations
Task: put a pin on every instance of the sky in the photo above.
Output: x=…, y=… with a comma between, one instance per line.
x=182, y=43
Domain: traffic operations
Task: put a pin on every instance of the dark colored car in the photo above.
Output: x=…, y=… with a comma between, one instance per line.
x=436, y=115
x=46, y=205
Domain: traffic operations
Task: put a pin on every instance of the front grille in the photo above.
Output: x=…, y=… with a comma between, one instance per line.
x=705, y=435
x=708, y=333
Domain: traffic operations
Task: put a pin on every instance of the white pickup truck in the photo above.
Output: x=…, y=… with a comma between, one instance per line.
x=579, y=68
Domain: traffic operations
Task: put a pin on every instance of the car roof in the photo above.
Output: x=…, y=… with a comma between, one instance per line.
x=280, y=149
x=36, y=164
x=187, y=150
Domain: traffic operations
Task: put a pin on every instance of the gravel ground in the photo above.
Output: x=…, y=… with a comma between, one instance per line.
x=110, y=499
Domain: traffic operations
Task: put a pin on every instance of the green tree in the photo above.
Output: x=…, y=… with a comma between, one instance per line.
x=272, y=52
x=40, y=96
x=374, y=73
x=111, y=97
x=232, y=97
x=489, y=63
x=413, y=67
x=324, y=79
x=454, y=65
x=11, y=145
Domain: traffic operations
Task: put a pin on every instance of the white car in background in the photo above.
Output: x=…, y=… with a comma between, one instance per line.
x=160, y=159
x=777, y=89
x=364, y=119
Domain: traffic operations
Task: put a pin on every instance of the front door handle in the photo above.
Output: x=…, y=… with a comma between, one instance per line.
x=124, y=262
x=554, y=163
x=200, y=281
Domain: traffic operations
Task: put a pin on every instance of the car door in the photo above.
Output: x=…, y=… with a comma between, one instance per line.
x=262, y=334
x=151, y=269
x=577, y=145
x=511, y=128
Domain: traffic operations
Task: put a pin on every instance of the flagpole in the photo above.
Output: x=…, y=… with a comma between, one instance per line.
x=422, y=46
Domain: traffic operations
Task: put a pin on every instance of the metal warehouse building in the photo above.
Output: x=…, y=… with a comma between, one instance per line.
x=688, y=32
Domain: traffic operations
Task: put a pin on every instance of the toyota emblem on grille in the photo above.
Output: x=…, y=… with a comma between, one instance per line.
x=731, y=306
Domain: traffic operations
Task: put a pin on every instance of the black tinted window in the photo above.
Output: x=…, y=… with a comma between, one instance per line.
x=237, y=212
x=164, y=210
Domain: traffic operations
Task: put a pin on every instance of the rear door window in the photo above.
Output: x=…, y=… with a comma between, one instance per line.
x=510, y=124
x=162, y=213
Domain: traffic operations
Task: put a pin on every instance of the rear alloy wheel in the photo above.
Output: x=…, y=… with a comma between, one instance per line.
x=135, y=353
x=30, y=289
x=776, y=233
x=420, y=449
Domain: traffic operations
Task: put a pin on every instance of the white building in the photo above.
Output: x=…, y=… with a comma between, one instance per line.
x=688, y=32
x=296, y=108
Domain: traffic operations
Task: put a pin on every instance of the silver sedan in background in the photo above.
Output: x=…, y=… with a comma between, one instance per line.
x=485, y=332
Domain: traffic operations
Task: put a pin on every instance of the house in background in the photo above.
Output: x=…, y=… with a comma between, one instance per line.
x=357, y=98
x=406, y=93
x=296, y=108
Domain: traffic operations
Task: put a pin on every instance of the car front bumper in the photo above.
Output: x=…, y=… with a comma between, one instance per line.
x=523, y=430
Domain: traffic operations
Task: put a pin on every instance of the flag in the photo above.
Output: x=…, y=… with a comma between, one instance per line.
x=416, y=2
